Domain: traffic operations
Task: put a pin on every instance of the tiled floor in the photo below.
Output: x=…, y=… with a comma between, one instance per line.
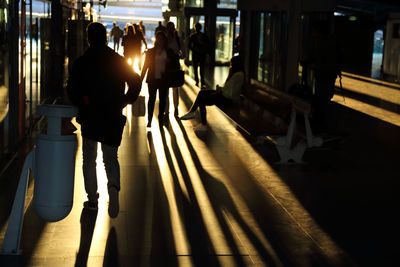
x=218, y=199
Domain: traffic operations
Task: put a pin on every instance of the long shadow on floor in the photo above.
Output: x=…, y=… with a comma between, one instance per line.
x=222, y=204
x=352, y=189
x=111, y=252
x=256, y=201
x=202, y=251
x=261, y=206
x=88, y=222
x=163, y=250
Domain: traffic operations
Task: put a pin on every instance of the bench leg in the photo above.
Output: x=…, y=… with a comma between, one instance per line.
x=312, y=140
x=295, y=154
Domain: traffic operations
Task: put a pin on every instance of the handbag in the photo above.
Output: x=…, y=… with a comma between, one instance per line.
x=175, y=78
x=139, y=106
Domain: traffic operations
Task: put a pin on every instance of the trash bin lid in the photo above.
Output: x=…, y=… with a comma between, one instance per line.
x=62, y=111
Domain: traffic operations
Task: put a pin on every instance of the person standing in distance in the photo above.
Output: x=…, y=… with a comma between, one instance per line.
x=198, y=43
x=96, y=85
x=116, y=33
x=176, y=45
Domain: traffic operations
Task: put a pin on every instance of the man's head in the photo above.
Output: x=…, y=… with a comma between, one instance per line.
x=197, y=27
x=97, y=34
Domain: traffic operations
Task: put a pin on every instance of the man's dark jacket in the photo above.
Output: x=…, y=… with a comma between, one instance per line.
x=96, y=85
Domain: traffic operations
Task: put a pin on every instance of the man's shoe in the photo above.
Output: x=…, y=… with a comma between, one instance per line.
x=113, y=205
x=187, y=116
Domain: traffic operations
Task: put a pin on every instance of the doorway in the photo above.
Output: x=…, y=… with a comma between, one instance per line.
x=377, y=55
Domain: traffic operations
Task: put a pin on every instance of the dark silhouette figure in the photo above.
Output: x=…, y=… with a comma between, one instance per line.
x=116, y=33
x=222, y=96
x=199, y=44
x=138, y=44
x=88, y=222
x=111, y=252
x=97, y=87
x=158, y=60
x=176, y=45
x=142, y=27
x=129, y=42
x=160, y=28
x=323, y=58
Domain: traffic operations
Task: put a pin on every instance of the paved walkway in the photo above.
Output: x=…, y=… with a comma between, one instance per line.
x=221, y=200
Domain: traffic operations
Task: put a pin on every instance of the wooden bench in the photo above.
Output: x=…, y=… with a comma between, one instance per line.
x=287, y=148
x=280, y=123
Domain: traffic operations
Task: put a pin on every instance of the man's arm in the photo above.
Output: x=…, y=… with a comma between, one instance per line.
x=134, y=87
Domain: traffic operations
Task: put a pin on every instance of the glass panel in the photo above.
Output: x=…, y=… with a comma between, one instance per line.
x=232, y=4
x=194, y=3
x=270, y=57
x=4, y=95
x=224, y=39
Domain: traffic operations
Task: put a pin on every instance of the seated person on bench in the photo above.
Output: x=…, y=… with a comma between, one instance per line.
x=227, y=95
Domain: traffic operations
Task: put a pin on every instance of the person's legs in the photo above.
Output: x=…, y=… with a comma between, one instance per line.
x=89, y=151
x=111, y=165
x=202, y=71
x=175, y=96
x=163, y=94
x=204, y=97
x=117, y=45
x=209, y=98
x=167, y=104
x=151, y=102
x=195, y=62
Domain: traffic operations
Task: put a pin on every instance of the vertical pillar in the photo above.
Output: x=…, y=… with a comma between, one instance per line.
x=210, y=26
x=13, y=78
x=293, y=43
x=57, y=48
x=21, y=88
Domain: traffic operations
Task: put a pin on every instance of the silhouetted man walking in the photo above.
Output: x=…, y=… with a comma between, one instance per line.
x=96, y=86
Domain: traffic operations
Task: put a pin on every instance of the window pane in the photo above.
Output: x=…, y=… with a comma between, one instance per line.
x=194, y=3
x=232, y=4
x=224, y=39
x=4, y=87
x=270, y=56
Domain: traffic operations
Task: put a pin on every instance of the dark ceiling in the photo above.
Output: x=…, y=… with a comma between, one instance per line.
x=377, y=8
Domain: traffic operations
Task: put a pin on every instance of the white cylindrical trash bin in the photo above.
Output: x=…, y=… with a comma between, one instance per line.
x=54, y=169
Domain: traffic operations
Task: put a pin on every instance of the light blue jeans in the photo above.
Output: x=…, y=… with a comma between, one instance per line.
x=111, y=164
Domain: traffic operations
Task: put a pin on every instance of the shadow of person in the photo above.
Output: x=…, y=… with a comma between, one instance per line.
x=163, y=250
x=203, y=250
x=223, y=203
x=88, y=221
x=111, y=251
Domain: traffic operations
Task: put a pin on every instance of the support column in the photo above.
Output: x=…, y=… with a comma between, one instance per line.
x=210, y=26
x=13, y=76
x=293, y=43
x=57, y=49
